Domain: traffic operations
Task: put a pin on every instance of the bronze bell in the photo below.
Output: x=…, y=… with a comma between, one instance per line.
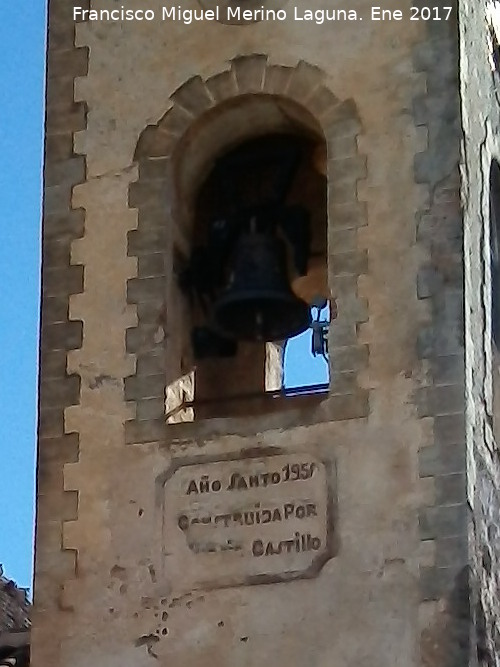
x=258, y=304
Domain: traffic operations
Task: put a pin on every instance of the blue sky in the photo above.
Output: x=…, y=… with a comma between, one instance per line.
x=22, y=35
x=21, y=119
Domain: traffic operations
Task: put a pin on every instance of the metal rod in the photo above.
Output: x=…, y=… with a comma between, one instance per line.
x=305, y=390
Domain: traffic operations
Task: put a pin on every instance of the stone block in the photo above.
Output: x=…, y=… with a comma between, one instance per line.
x=449, y=429
x=342, y=335
x=305, y=79
x=449, y=193
x=347, y=168
x=442, y=459
x=59, y=506
x=343, y=382
x=193, y=96
x=354, y=263
x=151, y=265
x=440, y=400
x=151, y=363
x=145, y=386
x=57, y=199
x=68, y=172
x=60, y=93
x=146, y=289
x=343, y=192
x=347, y=215
x=348, y=406
x=443, y=521
x=71, y=118
x=62, y=280
x=153, y=408
x=146, y=241
x=54, y=562
x=345, y=286
x=59, y=450
x=277, y=79
x=448, y=369
x=154, y=168
x=341, y=121
x=146, y=194
x=70, y=64
x=451, y=551
x=450, y=489
x=142, y=339
x=52, y=363
x=321, y=100
x=69, y=225
x=150, y=312
x=61, y=12
x=433, y=229
x=62, y=336
x=435, y=582
x=444, y=339
x=61, y=37
x=429, y=282
x=352, y=357
x=342, y=147
x=50, y=422
x=50, y=476
x=55, y=310
x=133, y=340
x=176, y=121
x=153, y=430
x=448, y=399
x=154, y=215
x=222, y=86
x=352, y=308
x=60, y=392
x=249, y=72
x=58, y=147
x=155, y=143
x=450, y=305
x=52, y=542
x=56, y=254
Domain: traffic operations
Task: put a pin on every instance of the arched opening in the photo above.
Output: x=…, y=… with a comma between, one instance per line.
x=207, y=120
x=250, y=260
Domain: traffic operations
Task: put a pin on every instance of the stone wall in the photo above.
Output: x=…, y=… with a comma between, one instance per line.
x=481, y=119
x=121, y=98
x=60, y=332
x=445, y=608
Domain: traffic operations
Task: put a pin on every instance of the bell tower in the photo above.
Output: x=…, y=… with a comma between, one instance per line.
x=215, y=173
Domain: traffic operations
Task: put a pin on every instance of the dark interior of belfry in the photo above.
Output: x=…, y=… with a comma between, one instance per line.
x=257, y=273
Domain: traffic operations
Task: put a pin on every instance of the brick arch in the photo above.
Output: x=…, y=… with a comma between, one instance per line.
x=154, y=196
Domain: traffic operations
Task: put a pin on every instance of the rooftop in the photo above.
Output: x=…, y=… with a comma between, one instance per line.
x=14, y=624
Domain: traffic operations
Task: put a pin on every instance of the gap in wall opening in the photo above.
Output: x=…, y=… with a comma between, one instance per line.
x=279, y=179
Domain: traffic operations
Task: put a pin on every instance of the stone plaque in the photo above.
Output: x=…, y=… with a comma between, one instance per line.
x=246, y=521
